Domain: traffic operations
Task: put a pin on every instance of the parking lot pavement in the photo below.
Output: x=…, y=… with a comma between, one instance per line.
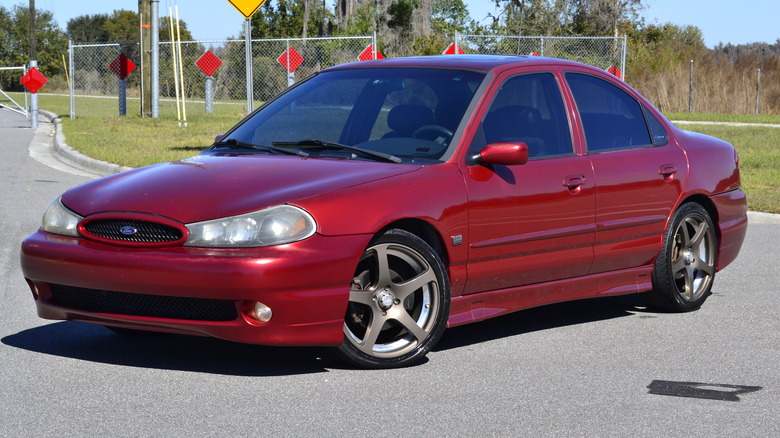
x=605, y=367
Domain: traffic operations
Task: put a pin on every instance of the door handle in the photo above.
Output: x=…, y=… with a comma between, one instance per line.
x=574, y=183
x=667, y=171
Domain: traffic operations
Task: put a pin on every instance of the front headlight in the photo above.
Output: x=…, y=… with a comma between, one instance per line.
x=59, y=220
x=272, y=226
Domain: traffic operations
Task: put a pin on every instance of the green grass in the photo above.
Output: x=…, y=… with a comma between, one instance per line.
x=759, y=159
x=134, y=141
x=740, y=118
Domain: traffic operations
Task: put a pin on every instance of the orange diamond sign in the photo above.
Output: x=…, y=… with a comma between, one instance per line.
x=247, y=8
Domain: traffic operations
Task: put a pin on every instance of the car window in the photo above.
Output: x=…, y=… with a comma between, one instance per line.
x=405, y=111
x=529, y=109
x=409, y=113
x=611, y=118
x=657, y=130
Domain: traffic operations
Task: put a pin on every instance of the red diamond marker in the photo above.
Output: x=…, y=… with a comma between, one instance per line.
x=450, y=50
x=209, y=63
x=33, y=80
x=290, y=59
x=368, y=54
x=122, y=66
x=615, y=71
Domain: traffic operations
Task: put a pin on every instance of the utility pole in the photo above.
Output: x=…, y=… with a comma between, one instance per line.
x=145, y=29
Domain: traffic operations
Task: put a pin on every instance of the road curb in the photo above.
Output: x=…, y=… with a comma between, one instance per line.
x=757, y=217
x=74, y=158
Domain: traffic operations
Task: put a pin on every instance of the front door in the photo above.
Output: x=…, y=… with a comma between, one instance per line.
x=533, y=222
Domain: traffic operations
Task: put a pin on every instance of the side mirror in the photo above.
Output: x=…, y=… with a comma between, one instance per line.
x=506, y=153
x=218, y=137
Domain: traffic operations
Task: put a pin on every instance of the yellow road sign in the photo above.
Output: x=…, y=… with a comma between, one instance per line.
x=247, y=8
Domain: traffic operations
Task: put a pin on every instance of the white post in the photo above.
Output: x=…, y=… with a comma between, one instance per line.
x=71, y=87
x=249, y=80
x=34, y=102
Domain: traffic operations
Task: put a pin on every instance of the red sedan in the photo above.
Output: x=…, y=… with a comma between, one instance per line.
x=375, y=204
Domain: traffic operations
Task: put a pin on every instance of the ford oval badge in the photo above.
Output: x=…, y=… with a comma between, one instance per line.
x=127, y=230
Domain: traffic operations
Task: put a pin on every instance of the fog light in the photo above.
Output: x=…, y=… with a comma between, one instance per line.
x=263, y=313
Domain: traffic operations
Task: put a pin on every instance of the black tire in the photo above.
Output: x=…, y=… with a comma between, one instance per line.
x=685, y=269
x=399, y=303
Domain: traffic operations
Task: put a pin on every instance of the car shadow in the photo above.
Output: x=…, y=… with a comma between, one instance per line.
x=94, y=343
x=542, y=318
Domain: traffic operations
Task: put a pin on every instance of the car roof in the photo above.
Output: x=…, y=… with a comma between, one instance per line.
x=483, y=63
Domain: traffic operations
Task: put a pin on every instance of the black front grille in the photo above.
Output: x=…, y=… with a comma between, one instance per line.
x=146, y=232
x=157, y=306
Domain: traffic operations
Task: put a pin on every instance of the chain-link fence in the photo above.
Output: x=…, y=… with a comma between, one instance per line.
x=95, y=84
x=603, y=52
x=93, y=71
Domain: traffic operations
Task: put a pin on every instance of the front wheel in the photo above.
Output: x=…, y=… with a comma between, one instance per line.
x=398, y=303
x=685, y=269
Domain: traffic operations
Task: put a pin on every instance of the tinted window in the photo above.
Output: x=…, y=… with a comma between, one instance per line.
x=529, y=109
x=410, y=113
x=657, y=130
x=611, y=118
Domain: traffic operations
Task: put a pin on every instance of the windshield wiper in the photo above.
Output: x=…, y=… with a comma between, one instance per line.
x=332, y=145
x=239, y=144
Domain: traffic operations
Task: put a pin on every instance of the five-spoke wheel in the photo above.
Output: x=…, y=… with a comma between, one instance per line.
x=685, y=269
x=398, y=302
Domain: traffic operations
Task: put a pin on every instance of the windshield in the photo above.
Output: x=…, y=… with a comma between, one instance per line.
x=409, y=113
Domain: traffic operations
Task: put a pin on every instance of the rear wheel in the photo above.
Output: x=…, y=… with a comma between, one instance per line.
x=685, y=269
x=398, y=303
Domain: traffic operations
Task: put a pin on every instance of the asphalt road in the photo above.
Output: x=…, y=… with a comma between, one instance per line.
x=601, y=368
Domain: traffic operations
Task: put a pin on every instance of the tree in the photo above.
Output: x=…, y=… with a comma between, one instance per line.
x=88, y=28
x=285, y=18
x=51, y=41
x=606, y=17
x=450, y=17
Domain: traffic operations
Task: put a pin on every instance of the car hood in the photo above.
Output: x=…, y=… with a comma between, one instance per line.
x=209, y=187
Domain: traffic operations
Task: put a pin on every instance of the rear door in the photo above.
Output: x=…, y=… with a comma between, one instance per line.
x=639, y=174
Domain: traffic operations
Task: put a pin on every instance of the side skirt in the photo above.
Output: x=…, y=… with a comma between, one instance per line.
x=484, y=305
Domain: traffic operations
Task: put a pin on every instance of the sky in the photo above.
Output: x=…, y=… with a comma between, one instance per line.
x=721, y=21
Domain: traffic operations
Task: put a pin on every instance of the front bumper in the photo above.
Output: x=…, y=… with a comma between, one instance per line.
x=306, y=284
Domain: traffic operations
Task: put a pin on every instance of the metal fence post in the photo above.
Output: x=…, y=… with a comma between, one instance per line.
x=758, y=90
x=291, y=74
x=623, y=57
x=71, y=94
x=249, y=76
x=33, y=101
x=690, y=90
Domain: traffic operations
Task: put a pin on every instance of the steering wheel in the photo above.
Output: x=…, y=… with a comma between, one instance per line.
x=436, y=133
